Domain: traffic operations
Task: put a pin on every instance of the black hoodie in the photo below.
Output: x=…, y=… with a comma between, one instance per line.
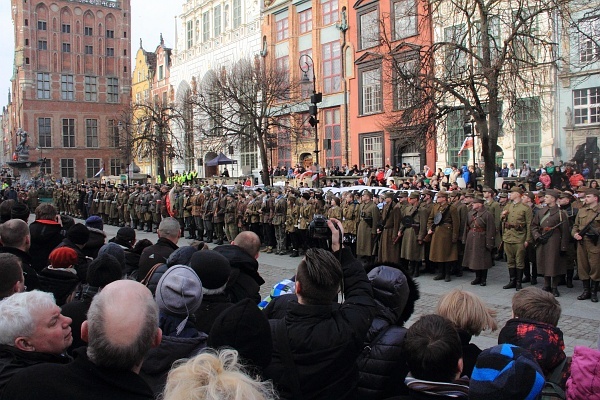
x=245, y=280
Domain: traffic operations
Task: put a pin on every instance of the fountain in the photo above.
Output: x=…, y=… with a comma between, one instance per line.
x=21, y=161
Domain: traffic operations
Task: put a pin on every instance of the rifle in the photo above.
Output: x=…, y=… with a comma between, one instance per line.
x=589, y=231
x=544, y=237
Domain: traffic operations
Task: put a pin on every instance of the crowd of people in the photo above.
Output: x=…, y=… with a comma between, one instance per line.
x=82, y=315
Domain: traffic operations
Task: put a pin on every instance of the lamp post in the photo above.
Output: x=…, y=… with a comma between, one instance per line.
x=127, y=150
x=315, y=99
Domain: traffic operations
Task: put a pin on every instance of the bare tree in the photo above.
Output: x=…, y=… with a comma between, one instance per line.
x=247, y=101
x=154, y=129
x=486, y=58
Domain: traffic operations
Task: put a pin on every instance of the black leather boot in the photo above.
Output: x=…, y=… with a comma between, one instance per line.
x=417, y=268
x=447, y=272
x=570, y=278
x=555, y=286
x=440, y=272
x=519, y=280
x=586, y=290
x=477, y=279
x=512, y=283
x=483, y=277
x=594, y=295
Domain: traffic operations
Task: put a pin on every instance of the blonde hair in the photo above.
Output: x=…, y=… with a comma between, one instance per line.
x=467, y=311
x=214, y=375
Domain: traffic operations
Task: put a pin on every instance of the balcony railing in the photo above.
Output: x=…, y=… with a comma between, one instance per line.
x=101, y=3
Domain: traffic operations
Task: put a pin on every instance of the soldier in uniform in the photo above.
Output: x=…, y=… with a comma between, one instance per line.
x=550, y=232
x=305, y=216
x=56, y=196
x=570, y=258
x=240, y=212
x=530, y=271
x=350, y=220
x=188, y=219
x=413, y=223
x=335, y=211
x=197, y=211
x=291, y=224
x=502, y=202
x=479, y=238
x=157, y=210
x=219, y=219
x=146, y=213
x=32, y=199
x=462, y=202
x=389, y=246
x=588, y=248
x=231, y=226
x=516, y=223
x=268, y=211
x=252, y=213
x=278, y=220
x=443, y=226
x=367, y=226
x=113, y=216
x=425, y=207
x=123, y=212
x=209, y=213
x=494, y=208
x=132, y=204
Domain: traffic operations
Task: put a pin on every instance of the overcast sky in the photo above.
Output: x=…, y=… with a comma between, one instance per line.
x=148, y=19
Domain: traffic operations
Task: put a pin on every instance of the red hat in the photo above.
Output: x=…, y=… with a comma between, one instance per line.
x=63, y=257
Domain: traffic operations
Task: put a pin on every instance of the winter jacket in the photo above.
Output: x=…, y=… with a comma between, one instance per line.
x=97, y=239
x=82, y=261
x=61, y=282
x=77, y=311
x=45, y=236
x=31, y=278
x=470, y=352
x=13, y=360
x=324, y=340
x=583, y=382
x=212, y=306
x=382, y=367
x=244, y=281
x=157, y=253
x=81, y=379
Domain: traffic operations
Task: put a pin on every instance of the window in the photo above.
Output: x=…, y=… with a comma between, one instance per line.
x=282, y=28
x=68, y=132
x=66, y=28
x=66, y=47
x=42, y=45
x=248, y=153
x=494, y=36
x=405, y=84
x=369, y=28
x=455, y=136
x=92, y=167
x=332, y=67
x=205, y=26
x=113, y=133
x=88, y=31
x=333, y=135
x=405, y=18
x=46, y=166
x=115, y=166
x=89, y=49
x=66, y=87
x=282, y=66
x=110, y=52
x=456, y=61
x=284, y=144
x=226, y=17
x=305, y=20
x=112, y=90
x=190, y=34
x=526, y=44
x=110, y=34
x=26, y=42
x=370, y=89
x=237, y=13
x=589, y=36
x=41, y=25
x=26, y=22
x=43, y=85
x=91, y=88
x=67, y=168
x=372, y=150
x=586, y=106
x=329, y=10
x=217, y=21
x=91, y=133
x=161, y=72
x=44, y=132
x=528, y=130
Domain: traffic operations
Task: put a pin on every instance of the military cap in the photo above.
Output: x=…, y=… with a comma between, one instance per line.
x=516, y=189
x=454, y=193
x=389, y=195
x=503, y=195
x=414, y=195
x=442, y=193
x=592, y=191
x=531, y=195
x=489, y=190
x=478, y=199
x=402, y=194
x=427, y=191
x=368, y=193
x=554, y=193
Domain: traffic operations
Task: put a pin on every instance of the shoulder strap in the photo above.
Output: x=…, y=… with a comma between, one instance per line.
x=146, y=279
x=288, y=360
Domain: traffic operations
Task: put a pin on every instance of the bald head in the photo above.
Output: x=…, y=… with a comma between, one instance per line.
x=15, y=233
x=122, y=325
x=249, y=242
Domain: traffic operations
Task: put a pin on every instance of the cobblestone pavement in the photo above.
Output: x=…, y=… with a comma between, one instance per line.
x=580, y=320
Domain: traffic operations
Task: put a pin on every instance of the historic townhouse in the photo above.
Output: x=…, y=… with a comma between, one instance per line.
x=71, y=83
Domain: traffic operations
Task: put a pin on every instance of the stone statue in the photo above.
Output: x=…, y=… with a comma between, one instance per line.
x=22, y=149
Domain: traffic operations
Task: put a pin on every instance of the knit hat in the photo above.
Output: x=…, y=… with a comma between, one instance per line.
x=20, y=211
x=506, y=372
x=126, y=234
x=179, y=292
x=63, y=257
x=114, y=250
x=94, y=222
x=78, y=234
x=104, y=270
x=212, y=268
x=246, y=329
x=181, y=256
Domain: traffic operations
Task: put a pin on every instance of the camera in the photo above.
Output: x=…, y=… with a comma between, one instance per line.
x=318, y=229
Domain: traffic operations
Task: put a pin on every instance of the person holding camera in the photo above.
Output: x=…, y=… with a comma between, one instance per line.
x=317, y=342
x=367, y=227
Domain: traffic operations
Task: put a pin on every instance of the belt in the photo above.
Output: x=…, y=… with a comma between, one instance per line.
x=477, y=229
x=547, y=229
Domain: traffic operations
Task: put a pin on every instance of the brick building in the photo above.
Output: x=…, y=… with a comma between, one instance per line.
x=71, y=83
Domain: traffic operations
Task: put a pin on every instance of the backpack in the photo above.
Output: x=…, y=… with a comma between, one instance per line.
x=552, y=389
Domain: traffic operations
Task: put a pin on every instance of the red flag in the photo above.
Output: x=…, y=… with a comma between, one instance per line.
x=467, y=144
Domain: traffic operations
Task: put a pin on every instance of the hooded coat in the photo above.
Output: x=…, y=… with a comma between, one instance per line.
x=45, y=236
x=583, y=382
x=61, y=282
x=382, y=367
x=245, y=281
x=97, y=239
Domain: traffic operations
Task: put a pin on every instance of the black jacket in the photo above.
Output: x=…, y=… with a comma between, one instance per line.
x=82, y=260
x=45, y=236
x=132, y=259
x=13, y=360
x=31, y=277
x=157, y=253
x=61, y=283
x=77, y=311
x=324, y=340
x=245, y=281
x=80, y=379
x=212, y=306
x=97, y=239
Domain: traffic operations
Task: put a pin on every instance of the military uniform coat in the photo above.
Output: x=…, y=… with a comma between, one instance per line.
x=411, y=250
x=479, y=239
x=445, y=236
x=494, y=208
x=517, y=224
x=350, y=218
x=588, y=254
x=549, y=260
x=389, y=247
x=280, y=211
x=366, y=230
